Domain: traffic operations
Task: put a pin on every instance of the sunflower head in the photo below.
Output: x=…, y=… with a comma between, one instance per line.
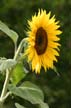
x=43, y=40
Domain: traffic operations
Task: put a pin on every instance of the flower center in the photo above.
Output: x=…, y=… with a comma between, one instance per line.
x=41, y=41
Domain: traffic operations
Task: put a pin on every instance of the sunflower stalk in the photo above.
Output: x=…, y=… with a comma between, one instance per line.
x=21, y=45
x=4, y=93
x=5, y=84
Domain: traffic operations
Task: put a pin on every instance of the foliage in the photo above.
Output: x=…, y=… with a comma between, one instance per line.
x=26, y=90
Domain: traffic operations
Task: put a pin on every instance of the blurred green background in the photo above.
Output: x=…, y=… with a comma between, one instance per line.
x=15, y=13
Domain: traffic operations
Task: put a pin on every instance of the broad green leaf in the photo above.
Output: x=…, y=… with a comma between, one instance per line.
x=7, y=64
x=2, y=59
x=19, y=106
x=43, y=105
x=18, y=74
x=12, y=34
x=28, y=91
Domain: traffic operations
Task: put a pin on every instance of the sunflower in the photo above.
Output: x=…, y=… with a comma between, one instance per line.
x=42, y=41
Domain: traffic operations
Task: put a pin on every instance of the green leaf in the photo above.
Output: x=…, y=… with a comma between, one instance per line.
x=18, y=74
x=29, y=92
x=6, y=64
x=12, y=34
x=2, y=59
x=55, y=70
x=19, y=106
x=7, y=104
x=43, y=105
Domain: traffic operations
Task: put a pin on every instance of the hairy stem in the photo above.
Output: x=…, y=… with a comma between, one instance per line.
x=5, y=84
x=19, y=49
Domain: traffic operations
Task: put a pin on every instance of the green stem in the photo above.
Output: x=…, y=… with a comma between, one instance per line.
x=15, y=48
x=19, y=49
x=5, y=84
